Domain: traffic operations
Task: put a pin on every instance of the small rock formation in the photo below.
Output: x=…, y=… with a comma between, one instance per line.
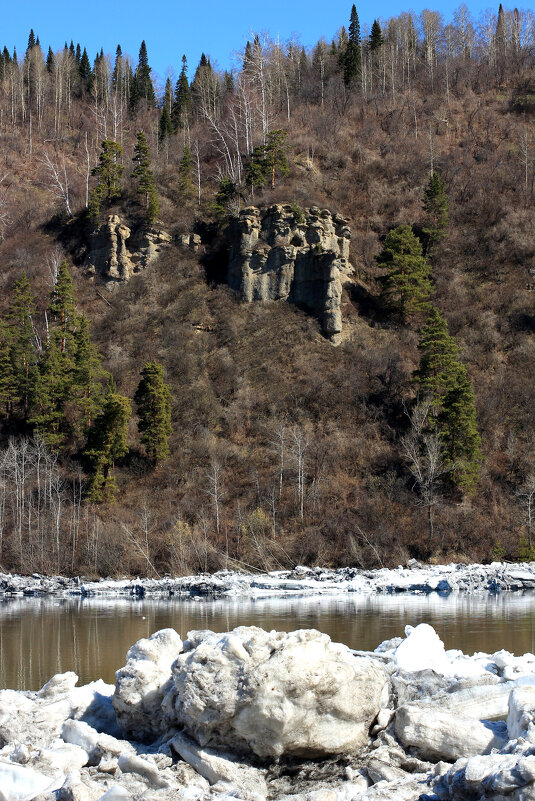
x=278, y=254
x=269, y=693
x=116, y=253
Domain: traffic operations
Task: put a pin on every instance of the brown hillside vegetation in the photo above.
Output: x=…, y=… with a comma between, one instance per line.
x=284, y=448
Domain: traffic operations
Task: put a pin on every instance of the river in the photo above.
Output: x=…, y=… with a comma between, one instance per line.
x=43, y=636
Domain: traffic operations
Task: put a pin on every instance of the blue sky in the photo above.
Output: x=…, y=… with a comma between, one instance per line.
x=173, y=27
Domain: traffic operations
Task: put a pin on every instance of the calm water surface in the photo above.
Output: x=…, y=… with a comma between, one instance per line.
x=40, y=637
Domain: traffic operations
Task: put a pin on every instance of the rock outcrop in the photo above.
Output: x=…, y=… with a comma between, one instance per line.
x=116, y=252
x=280, y=254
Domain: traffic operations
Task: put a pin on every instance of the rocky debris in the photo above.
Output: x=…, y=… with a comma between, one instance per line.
x=191, y=241
x=301, y=581
x=294, y=717
x=116, y=253
x=277, y=253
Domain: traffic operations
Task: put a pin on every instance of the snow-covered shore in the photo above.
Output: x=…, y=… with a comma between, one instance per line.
x=258, y=715
x=301, y=581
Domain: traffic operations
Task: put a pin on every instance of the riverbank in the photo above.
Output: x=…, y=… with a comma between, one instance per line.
x=258, y=715
x=301, y=581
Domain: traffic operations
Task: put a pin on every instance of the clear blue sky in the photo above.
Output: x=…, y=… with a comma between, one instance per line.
x=171, y=27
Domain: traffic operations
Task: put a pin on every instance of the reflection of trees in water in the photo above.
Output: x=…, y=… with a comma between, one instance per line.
x=43, y=636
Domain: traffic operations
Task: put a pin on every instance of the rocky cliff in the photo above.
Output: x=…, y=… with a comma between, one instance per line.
x=280, y=253
x=116, y=252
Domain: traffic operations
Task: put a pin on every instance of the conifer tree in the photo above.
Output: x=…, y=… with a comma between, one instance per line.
x=50, y=62
x=182, y=104
x=31, y=41
x=8, y=389
x=117, y=76
x=376, y=36
x=406, y=286
x=62, y=307
x=168, y=97
x=87, y=376
x=109, y=171
x=54, y=386
x=142, y=88
x=269, y=159
x=184, y=171
x=23, y=353
x=84, y=68
x=443, y=377
x=352, y=55
x=107, y=442
x=153, y=399
x=437, y=208
x=165, y=126
x=145, y=177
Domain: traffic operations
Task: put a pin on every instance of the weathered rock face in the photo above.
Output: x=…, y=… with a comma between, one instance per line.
x=276, y=256
x=116, y=254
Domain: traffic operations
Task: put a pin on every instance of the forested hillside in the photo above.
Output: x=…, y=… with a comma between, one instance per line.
x=161, y=424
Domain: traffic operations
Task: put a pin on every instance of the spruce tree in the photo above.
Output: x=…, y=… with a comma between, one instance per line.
x=153, y=399
x=23, y=353
x=184, y=171
x=52, y=390
x=406, y=286
x=182, y=103
x=376, y=36
x=352, y=55
x=107, y=442
x=144, y=176
x=8, y=389
x=50, y=62
x=109, y=171
x=437, y=208
x=168, y=97
x=117, y=78
x=62, y=307
x=86, y=76
x=443, y=377
x=88, y=375
x=142, y=86
x=165, y=126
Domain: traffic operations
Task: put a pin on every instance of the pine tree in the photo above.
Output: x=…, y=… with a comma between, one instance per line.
x=269, y=159
x=406, y=286
x=23, y=354
x=145, y=177
x=107, y=442
x=182, y=104
x=109, y=171
x=352, y=55
x=376, y=36
x=443, y=378
x=437, y=208
x=153, y=399
x=165, y=126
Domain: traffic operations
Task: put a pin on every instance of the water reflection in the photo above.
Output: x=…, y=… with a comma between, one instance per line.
x=40, y=637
